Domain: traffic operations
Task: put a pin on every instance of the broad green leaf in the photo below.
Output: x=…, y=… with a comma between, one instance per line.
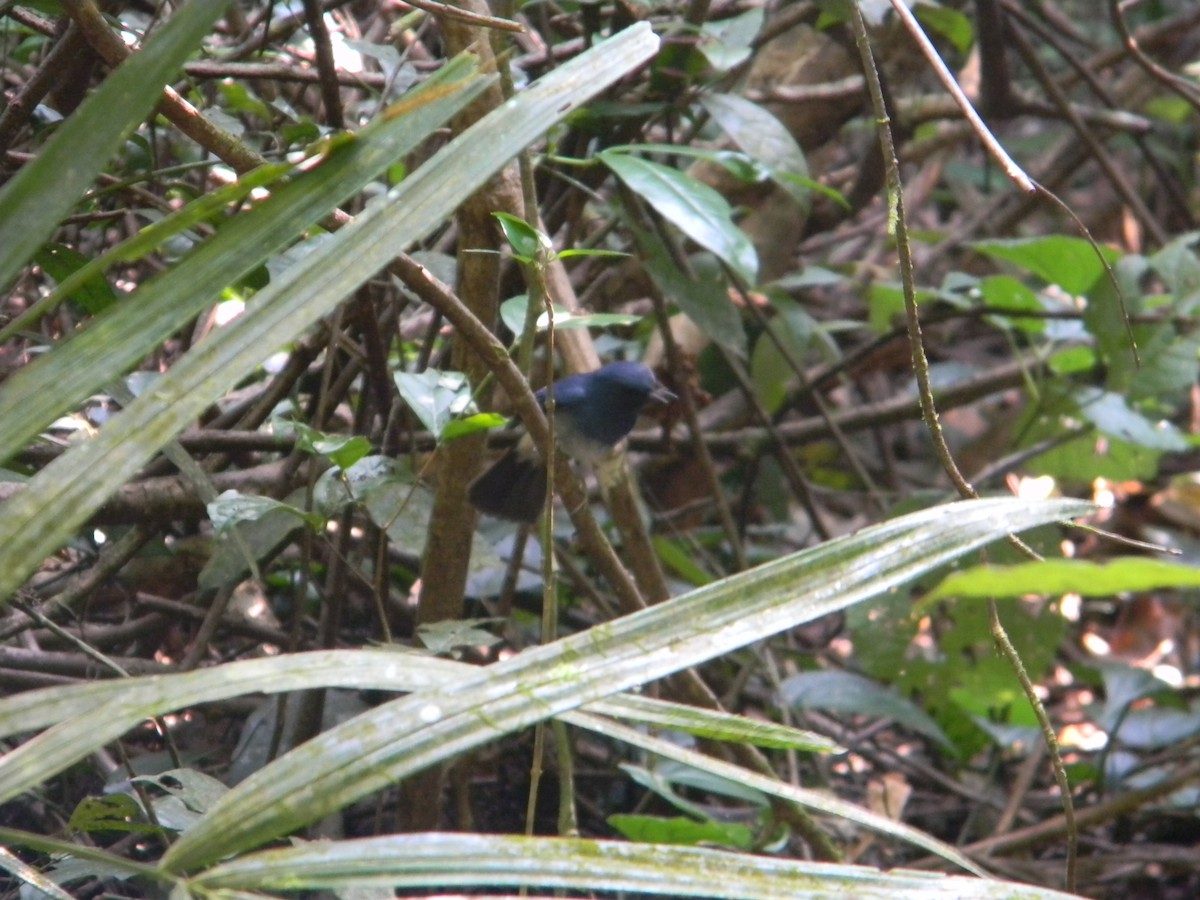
x=43, y=191
x=690, y=205
x=112, y=812
x=1071, y=263
x=763, y=137
x=397, y=739
x=704, y=297
x=1055, y=577
x=259, y=539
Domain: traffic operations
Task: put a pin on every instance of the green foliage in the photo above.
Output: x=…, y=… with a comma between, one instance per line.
x=1066, y=576
x=695, y=208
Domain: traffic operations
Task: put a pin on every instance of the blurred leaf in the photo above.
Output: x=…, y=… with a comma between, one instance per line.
x=1066, y=576
x=1009, y=293
x=1073, y=360
x=1124, y=685
x=1081, y=461
x=947, y=22
x=457, y=428
x=770, y=369
x=665, y=776
x=1178, y=266
x=845, y=692
x=455, y=634
x=1111, y=414
x=112, y=812
x=1158, y=727
x=676, y=557
x=401, y=505
x=1071, y=263
x=260, y=537
x=692, y=206
x=728, y=42
x=678, y=830
x=43, y=191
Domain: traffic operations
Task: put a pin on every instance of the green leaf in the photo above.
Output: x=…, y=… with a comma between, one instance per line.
x=704, y=298
x=681, y=830
x=260, y=538
x=949, y=23
x=1055, y=577
x=717, y=726
x=692, y=206
x=404, y=736
x=112, y=812
x=438, y=862
x=342, y=450
x=764, y=138
x=1012, y=294
x=231, y=507
x=457, y=428
x=846, y=692
x=43, y=191
x=455, y=634
x=526, y=241
x=61, y=263
x=728, y=42
x=1111, y=414
x=435, y=397
x=512, y=314
x=679, y=560
x=1071, y=263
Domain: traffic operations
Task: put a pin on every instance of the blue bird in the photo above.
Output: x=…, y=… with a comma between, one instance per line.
x=593, y=412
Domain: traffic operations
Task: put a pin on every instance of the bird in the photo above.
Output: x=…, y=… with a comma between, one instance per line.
x=593, y=412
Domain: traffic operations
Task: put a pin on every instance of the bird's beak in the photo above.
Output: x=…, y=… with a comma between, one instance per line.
x=662, y=396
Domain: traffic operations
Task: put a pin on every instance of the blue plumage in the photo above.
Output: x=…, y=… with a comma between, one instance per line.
x=593, y=412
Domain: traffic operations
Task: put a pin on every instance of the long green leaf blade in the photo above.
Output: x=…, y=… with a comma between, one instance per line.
x=126, y=333
x=41, y=193
x=405, y=736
